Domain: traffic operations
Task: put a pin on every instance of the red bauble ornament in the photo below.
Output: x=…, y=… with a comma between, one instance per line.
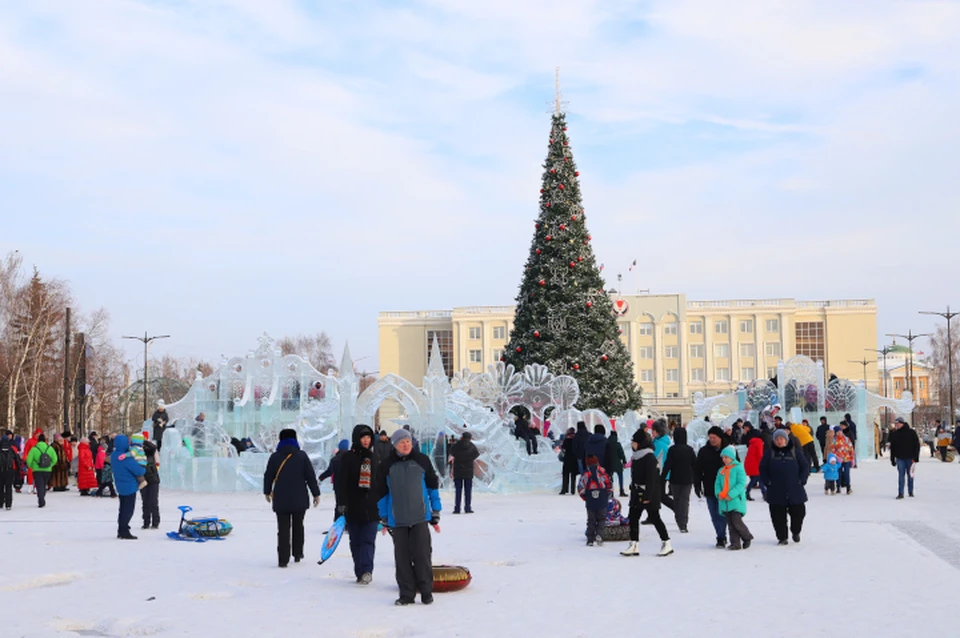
x=560, y=187
x=564, y=128
x=573, y=264
x=548, y=237
x=589, y=304
x=549, y=204
x=565, y=143
x=566, y=159
x=551, y=141
x=538, y=251
x=519, y=349
x=553, y=170
x=536, y=333
x=563, y=226
x=573, y=218
x=576, y=366
x=542, y=282
x=580, y=258
x=603, y=358
x=576, y=173
x=589, y=237
x=541, y=191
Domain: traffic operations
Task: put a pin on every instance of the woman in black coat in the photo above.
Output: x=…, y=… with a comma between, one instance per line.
x=570, y=464
x=357, y=502
x=288, y=476
x=784, y=470
x=463, y=453
x=678, y=468
x=645, y=494
x=614, y=459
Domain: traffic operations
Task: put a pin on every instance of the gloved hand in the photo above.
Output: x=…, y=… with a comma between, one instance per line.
x=316, y=500
x=384, y=526
x=341, y=510
x=269, y=497
x=435, y=518
x=893, y=463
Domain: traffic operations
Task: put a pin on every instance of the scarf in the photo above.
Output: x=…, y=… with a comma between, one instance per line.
x=366, y=471
x=724, y=494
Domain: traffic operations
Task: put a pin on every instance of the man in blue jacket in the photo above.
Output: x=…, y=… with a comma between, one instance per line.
x=126, y=469
x=410, y=500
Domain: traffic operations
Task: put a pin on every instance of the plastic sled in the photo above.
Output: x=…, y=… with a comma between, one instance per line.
x=330, y=544
x=450, y=578
x=199, y=530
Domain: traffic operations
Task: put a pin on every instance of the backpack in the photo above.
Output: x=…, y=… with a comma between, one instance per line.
x=7, y=462
x=595, y=493
x=44, y=461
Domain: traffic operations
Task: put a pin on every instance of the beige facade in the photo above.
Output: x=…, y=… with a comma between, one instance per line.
x=678, y=347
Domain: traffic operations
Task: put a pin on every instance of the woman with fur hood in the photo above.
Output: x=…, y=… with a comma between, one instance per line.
x=645, y=494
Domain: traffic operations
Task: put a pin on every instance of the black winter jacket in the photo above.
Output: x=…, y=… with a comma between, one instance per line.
x=292, y=482
x=681, y=460
x=570, y=464
x=597, y=446
x=904, y=444
x=707, y=465
x=464, y=453
x=151, y=475
x=580, y=443
x=614, y=459
x=644, y=477
x=784, y=470
x=361, y=502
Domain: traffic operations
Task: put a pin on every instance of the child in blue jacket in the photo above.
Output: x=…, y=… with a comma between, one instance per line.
x=831, y=474
x=126, y=471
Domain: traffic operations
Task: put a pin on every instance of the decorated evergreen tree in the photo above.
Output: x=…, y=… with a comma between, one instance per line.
x=564, y=318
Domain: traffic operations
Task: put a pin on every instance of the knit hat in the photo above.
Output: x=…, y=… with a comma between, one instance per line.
x=288, y=433
x=161, y=404
x=136, y=440
x=592, y=460
x=729, y=451
x=641, y=438
x=399, y=435
x=715, y=430
x=343, y=445
x=781, y=433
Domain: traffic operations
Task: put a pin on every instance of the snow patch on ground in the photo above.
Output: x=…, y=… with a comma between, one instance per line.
x=867, y=565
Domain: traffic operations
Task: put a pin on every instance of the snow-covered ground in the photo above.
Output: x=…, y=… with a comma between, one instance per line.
x=867, y=565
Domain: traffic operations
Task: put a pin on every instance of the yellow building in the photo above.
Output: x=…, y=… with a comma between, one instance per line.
x=678, y=347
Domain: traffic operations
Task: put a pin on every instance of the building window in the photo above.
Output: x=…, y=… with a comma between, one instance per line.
x=646, y=375
x=810, y=339
x=773, y=350
x=499, y=332
x=771, y=372
x=497, y=355
x=696, y=374
x=696, y=351
x=476, y=356
x=474, y=333
x=747, y=374
x=673, y=374
x=720, y=327
x=673, y=395
x=723, y=374
x=746, y=325
x=773, y=325
x=645, y=352
x=646, y=329
x=922, y=384
x=445, y=341
x=670, y=328
x=748, y=349
x=696, y=327
x=670, y=352
x=721, y=350
x=898, y=384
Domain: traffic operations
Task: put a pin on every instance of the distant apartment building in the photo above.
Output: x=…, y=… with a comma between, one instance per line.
x=678, y=347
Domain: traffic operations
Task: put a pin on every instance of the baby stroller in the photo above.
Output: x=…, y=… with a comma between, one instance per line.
x=200, y=529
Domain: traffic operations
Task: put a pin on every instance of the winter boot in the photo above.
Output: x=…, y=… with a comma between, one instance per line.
x=599, y=539
x=631, y=550
x=665, y=549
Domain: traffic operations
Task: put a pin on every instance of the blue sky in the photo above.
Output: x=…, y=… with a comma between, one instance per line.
x=218, y=169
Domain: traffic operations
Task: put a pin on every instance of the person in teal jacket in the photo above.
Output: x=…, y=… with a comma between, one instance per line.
x=731, y=491
x=41, y=460
x=126, y=469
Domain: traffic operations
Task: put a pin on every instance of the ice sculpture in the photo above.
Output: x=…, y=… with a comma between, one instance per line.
x=251, y=398
x=801, y=384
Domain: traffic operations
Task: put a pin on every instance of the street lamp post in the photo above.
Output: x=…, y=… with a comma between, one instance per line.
x=910, y=337
x=146, y=362
x=883, y=352
x=949, y=317
x=864, y=363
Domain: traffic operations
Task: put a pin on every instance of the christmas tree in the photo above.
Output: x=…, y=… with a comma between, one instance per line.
x=564, y=318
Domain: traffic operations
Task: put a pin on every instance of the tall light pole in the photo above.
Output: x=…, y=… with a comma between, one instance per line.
x=864, y=363
x=949, y=317
x=883, y=352
x=910, y=337
x=146, y=363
